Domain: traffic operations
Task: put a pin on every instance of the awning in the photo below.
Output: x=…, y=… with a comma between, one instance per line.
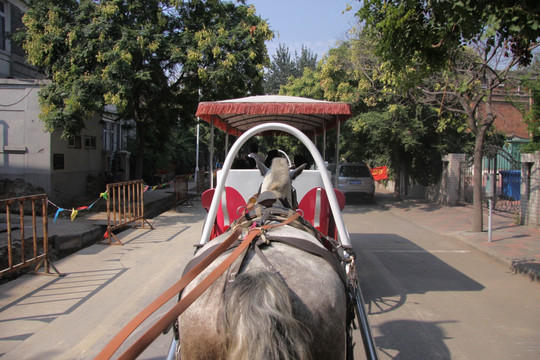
x=238, y=115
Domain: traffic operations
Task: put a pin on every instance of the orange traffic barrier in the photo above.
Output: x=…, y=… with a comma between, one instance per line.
x=125, y=207
x=25, y=248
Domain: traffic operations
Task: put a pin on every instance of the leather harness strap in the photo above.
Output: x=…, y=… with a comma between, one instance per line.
x=161, y=325
x=115, y=343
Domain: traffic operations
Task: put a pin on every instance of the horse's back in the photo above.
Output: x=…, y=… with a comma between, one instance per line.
x=316, y=292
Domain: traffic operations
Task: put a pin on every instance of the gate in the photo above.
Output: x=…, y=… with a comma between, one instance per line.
x=125, y=206
x=200, y=182
x=506, y=186
x=19, y=248
x=181, y=190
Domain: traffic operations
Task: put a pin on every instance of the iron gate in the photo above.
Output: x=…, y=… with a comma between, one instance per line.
x=506, y=187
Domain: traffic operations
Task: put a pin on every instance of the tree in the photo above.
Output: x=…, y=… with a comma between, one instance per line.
x=306, y=60
x=532, y=117
x=474, y=43
x=149, y=58
x=390, y=128
x=283, y=67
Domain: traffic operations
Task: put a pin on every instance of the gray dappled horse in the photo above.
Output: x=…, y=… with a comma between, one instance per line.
x=285, y=304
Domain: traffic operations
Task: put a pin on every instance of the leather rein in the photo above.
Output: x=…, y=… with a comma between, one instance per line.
x=166, y=320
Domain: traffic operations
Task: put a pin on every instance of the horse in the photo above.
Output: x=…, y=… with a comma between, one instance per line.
x=283, y=304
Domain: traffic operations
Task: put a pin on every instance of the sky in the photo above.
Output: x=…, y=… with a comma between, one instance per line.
x=316, y=24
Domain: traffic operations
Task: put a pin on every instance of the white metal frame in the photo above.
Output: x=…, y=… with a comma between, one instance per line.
x=343, y=235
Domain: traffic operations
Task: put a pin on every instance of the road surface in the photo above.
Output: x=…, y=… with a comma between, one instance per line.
x=431, y=297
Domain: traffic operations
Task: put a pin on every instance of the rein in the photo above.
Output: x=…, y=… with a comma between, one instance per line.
x=162, y=324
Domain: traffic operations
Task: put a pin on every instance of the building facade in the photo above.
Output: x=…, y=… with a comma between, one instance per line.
x=66, y=169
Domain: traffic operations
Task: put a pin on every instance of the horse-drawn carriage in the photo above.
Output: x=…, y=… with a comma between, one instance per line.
x=274, y=276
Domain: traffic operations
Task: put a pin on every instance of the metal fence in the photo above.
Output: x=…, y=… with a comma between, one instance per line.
x=181, y=190
x=21, y=248
x=504, y=182
x=125, y=207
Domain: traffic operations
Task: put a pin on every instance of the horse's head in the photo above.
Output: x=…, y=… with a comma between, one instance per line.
x=277, y=184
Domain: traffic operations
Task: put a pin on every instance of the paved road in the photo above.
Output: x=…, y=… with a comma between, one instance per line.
x=431, y=297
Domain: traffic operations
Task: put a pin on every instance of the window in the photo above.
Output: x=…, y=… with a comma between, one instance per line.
x=58, y=161
x=89, y=142
x=2, y=26
x=75, y=142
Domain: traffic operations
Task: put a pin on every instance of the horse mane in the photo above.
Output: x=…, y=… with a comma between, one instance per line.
x=258, y=321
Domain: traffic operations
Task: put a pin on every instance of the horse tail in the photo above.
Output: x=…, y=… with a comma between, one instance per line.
x=258, y=320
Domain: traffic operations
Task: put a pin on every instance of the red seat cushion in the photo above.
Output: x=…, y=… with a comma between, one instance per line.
x=227, y=211
x=316, y=208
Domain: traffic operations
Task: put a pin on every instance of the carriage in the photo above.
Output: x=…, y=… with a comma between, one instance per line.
x=273, y=245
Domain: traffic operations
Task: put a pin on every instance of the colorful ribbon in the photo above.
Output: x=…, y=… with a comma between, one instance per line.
x=105, y=195
x=75, y=212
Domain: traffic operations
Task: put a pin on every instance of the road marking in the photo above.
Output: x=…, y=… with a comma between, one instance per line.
x=420, y=251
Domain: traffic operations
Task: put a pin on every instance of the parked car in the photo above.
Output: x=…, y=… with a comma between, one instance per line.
x=354, y=178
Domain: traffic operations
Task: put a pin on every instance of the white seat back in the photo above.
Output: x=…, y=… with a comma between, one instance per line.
x=247, y=182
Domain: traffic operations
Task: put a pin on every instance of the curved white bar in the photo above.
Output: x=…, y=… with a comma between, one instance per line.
x=342, y=231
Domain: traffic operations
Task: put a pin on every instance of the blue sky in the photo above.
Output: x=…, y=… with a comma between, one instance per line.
x=317, y=24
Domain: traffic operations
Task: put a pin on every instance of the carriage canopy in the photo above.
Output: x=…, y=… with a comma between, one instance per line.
x=310, y=116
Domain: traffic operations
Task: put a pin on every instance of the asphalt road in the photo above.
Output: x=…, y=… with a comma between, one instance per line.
x=431, y=297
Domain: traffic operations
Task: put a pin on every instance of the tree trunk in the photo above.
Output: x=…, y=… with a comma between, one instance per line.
x=478, y=220
x=397, y=184
x=397, y=165
x=139, y=155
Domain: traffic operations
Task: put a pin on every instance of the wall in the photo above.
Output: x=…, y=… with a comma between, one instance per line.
x=24, y=145
x=27, y=151
x=530, y=189
x=12, y=56
x=75, y=162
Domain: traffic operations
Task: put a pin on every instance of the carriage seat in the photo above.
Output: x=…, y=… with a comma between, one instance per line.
x=247, y=182
x=227, y=211
x=316, y=209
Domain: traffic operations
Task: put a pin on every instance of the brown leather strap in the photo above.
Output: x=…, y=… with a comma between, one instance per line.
x=162, y=324
x=115, y=343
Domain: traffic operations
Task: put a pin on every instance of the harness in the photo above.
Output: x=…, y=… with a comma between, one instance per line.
x=259, y=216
x=253, y=228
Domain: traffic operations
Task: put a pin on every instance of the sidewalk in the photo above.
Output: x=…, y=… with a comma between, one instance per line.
x=513, y=245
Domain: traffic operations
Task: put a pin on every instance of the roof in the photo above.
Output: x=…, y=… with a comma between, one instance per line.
x=308, y=115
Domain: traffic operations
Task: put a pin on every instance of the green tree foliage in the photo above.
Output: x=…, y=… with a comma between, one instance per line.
x=149, y=58
x=474, y=44
x=416, y=31
x=283, y=67
x=390, y=128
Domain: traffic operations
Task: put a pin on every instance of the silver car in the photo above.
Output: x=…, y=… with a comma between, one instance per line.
x=354, y=178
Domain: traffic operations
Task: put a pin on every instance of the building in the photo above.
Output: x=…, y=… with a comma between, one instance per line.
x=68, y=170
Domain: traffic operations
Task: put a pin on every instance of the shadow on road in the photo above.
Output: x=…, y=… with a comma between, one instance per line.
x=391, y=267
x=416, y=340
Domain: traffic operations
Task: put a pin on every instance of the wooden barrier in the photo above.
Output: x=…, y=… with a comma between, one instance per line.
x=22, y=250
x=125, y=207
x=181, y=190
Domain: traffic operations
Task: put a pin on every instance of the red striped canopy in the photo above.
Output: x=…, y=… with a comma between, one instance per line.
x=238, y=115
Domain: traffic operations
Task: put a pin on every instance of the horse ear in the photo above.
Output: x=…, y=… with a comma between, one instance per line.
x=294, y=173
x=262, y=168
